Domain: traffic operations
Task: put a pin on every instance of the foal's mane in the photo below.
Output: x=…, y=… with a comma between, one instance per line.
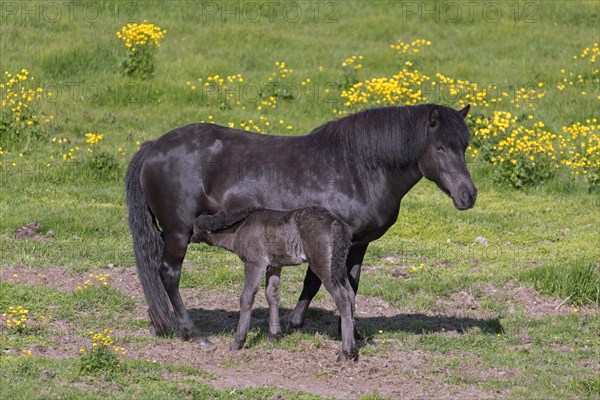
x=387, y=137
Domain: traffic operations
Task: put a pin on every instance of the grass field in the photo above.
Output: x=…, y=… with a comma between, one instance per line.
x=501, y=301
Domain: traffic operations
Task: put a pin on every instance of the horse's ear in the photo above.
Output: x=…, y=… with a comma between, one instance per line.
x=465, y=111
x=434, y=116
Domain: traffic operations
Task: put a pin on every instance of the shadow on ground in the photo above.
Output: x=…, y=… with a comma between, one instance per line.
x=326, y=322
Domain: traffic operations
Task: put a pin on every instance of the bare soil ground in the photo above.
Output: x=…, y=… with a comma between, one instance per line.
x=311, y=366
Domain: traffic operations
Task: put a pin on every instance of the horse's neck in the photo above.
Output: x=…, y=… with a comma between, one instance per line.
x=388, y=185
x=403, y=180
x=396, y=182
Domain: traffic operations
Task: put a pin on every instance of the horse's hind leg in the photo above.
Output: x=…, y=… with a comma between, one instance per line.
x=272, y=295
x=253, y=274
x=175, y=247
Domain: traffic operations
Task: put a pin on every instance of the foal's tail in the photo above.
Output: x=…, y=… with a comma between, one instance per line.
x=148, y=247
x=222, y=220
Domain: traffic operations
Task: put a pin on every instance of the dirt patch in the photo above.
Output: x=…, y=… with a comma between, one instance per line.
x=531, y=302
x=513, y=296
x=123, y=278
x=30, y=231
x=475, y=372
x=459, y=304
x=401, y=374
x=310, y=366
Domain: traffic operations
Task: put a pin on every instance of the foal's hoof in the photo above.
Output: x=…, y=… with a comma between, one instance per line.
x=203, y=342
x=345, y=357
x=235, y=346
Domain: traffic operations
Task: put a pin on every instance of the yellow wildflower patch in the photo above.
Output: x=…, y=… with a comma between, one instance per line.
x=144, y=34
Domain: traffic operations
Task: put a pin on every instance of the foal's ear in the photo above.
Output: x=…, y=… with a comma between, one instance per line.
x=465, y=111
x=434, y=116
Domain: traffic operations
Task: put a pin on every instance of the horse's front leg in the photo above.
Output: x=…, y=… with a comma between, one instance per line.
x=175, y=247
x=311, y=286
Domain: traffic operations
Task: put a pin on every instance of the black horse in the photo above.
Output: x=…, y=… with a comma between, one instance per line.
x=266, y=240
x=358, y=167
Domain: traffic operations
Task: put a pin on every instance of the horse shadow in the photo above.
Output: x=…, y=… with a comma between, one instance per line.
x=218, y=321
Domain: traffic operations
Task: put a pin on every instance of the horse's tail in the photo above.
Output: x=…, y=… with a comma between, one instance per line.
x=340, y=249
x=148, y=247
x=222, y=220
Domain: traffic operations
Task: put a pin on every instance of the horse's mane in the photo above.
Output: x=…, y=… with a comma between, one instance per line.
x=388, y=137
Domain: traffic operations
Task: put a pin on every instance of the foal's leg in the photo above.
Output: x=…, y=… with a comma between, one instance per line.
x=175, y=247
x=272, y=295
x=343, y=300
x=312, y=283
x=253, y=273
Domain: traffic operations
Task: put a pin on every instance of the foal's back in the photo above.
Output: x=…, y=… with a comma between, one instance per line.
x=277, y=238
x=270, y=237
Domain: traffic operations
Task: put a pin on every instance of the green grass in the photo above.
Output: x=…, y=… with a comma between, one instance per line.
x=579, y=283
x=31, y=377
x=545, y=237
x=533, y=366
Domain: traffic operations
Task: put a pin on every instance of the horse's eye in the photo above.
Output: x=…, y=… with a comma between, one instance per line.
x=440, y=148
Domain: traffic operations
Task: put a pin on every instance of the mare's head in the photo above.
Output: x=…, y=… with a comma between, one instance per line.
x=443, y=158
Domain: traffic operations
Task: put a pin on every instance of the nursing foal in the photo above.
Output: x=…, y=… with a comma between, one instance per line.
x=266, y=240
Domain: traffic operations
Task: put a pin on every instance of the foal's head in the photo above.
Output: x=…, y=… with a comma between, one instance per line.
x=443, y=158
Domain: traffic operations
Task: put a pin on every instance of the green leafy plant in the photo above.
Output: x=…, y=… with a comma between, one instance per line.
x=103, y=357
x=141, y=41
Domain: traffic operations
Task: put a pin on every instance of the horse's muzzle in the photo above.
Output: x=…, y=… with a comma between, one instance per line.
x=466, y=199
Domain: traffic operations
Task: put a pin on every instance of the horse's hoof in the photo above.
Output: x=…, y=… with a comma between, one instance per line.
x=293, y=327
x=342, y=358
x=274, y=337
x=203, y=342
